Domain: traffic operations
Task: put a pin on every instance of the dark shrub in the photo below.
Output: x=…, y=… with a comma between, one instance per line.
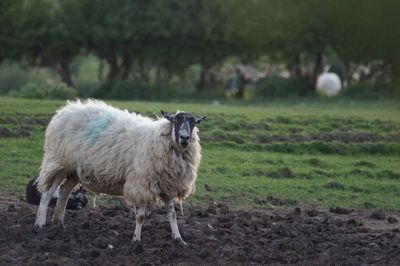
x=369, y=90
x=282, y=87
x=131, y=90
x=58, y=91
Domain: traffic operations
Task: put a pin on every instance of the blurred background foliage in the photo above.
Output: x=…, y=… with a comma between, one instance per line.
x=159, y=49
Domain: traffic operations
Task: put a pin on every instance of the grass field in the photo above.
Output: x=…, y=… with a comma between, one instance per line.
x=324, y=153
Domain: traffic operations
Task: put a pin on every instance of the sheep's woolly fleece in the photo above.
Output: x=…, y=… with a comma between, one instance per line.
x=328, y=84
x=119, y=153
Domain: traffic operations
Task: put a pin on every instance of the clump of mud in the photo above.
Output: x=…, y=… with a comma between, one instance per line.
x=216, y=236
x=20, y=133
x=346, y=137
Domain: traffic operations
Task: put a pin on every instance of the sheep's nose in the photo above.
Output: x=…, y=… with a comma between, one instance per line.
x=184, y=137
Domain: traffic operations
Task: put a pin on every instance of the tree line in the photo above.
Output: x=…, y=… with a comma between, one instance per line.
x=130, y=37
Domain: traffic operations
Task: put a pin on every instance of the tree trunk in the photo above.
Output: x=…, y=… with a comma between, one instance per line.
x=126, y=67
x=143, y=72
x=295, y=67
x=241, y=83
x=158, y=76
x=65, y=73
x=348, y=73
x=167, y=74
x=395, y=68
x=317, y=68
x=100, y=71
x=114, y=69
x=202, y=80
x=203, y=77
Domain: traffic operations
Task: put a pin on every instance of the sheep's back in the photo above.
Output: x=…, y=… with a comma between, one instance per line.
x=95, y=140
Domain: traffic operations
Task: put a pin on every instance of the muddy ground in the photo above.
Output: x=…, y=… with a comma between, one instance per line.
x=217, y=236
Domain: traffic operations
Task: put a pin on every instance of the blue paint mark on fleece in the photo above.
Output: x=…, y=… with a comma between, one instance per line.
x=97, y=125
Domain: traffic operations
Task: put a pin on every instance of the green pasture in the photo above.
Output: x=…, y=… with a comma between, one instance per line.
x=279, y=153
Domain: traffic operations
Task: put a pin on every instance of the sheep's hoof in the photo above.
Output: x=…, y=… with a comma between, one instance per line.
x=57, y=227
x=54, y=231
x=137, y=247
x=57, y=223
x=39, y=225
x=135, y=240
x=40, y=222
x=180, y=242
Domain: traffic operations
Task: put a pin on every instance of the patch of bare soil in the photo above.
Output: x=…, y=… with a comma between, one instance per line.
x=345, y=137
x=24, y=120
x=216, y=236
x=20, y=133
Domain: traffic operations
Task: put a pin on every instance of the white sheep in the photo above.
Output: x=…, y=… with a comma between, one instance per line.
x=328, y=84
x=115, y=152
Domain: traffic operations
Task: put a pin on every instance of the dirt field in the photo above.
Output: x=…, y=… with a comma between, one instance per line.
x=217, y=236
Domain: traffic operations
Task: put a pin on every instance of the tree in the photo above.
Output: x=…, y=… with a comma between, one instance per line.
x=44, y=38
x=9, y=46
x=365, y=32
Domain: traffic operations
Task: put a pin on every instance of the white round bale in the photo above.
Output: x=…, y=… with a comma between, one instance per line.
x=328, y=84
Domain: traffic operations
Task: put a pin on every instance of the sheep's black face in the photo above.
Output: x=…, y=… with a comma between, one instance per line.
x=184, y=124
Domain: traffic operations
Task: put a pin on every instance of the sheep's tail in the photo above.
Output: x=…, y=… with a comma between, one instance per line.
x=50, y=170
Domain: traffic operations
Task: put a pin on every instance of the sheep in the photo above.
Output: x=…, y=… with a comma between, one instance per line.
x=328, y=84
x=115, y=152
x=76, y=200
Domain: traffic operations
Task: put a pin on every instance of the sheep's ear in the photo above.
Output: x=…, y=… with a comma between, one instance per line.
x=168, y=116
x=199, y=119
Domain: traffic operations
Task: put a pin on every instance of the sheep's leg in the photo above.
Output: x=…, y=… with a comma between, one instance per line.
x=139, y=217
x=174, y=224
x=65, y=190
x=94, y=200
x=44, y=203
x=181, y=205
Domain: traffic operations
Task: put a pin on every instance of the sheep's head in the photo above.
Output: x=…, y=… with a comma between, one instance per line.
x=183, y=125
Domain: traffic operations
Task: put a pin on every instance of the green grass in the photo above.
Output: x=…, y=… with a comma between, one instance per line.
x=325, y=153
